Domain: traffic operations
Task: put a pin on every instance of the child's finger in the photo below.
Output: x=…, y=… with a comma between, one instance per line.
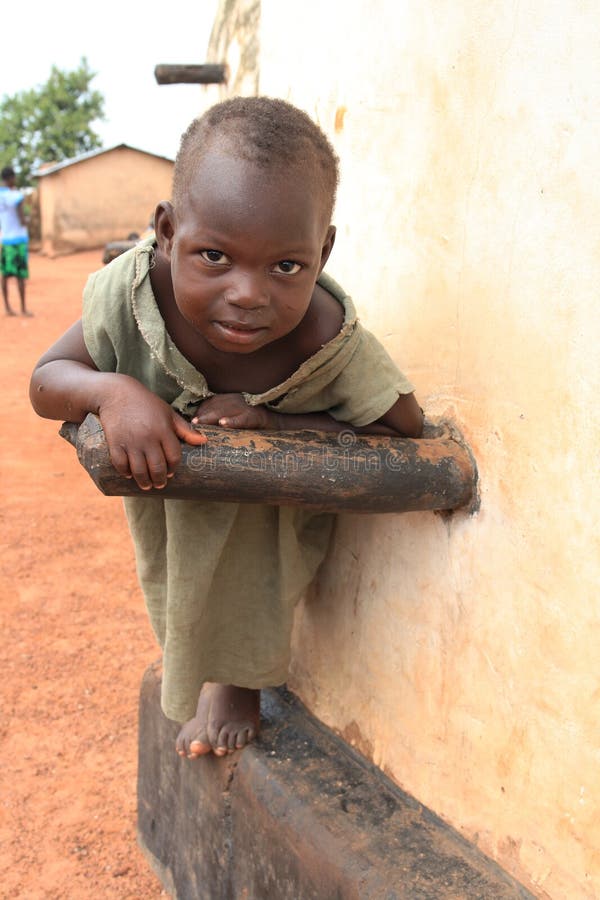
x=206, y=417
x=139, y=470
x=243, y=420
x=172, y=450
x=120, y=460
x=187, y=432
x=157, y=467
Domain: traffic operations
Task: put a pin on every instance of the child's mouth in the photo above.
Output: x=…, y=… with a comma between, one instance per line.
x=238, y=331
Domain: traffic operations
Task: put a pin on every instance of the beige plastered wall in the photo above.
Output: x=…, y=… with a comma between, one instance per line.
x=101, y=199
x=461, y=654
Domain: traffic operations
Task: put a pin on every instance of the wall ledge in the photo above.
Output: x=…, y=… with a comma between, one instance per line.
x=297, y=815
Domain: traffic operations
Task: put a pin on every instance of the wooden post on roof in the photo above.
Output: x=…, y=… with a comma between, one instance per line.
x=208, y=73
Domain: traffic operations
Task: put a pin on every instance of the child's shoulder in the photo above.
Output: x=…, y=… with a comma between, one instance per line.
x=116, y=303
x=329, y=311
x=108, y=294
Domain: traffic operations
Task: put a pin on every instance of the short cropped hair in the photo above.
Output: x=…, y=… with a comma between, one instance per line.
x=7, y=172
x=264, y=130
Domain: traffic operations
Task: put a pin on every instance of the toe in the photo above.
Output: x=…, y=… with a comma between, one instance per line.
x=242, y=738
x=213, y=732
x=221, y=742
x=198, y=748
x=246, y=736
x=192, y=741
x=220, y=751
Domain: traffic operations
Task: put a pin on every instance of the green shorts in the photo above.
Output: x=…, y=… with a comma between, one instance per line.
x=13, y=260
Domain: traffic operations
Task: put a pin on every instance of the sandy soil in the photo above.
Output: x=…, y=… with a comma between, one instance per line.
x=76, y=639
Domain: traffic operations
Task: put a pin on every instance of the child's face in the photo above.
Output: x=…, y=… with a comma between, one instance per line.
x=245, y=251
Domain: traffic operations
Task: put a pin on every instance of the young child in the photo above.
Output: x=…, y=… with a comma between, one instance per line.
x=225, y=318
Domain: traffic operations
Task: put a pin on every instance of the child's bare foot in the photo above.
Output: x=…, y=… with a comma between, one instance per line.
x=227, y=718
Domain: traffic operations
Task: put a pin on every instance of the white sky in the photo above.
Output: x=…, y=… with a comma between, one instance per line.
x=123, y=42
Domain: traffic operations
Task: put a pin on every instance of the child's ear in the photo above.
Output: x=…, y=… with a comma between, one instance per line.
x=164, y=227
x=327, y=247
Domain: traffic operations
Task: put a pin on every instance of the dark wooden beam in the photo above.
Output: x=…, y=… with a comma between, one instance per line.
x=315, y=470
x=297, y=814
x=208, y=73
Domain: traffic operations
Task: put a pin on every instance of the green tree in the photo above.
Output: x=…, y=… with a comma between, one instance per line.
x=50, y=123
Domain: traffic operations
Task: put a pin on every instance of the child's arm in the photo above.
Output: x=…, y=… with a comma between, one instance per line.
x=142, y=431
x=405, y=418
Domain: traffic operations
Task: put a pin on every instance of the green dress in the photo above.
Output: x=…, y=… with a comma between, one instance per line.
x=221, y=580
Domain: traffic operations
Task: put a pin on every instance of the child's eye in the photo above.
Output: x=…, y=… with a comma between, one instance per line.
x=215, y=256
x=287, y=267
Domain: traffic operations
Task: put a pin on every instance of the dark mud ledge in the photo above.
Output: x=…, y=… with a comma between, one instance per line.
x=295, y=816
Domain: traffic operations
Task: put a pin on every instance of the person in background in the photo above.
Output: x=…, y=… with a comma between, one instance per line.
x=14, y=258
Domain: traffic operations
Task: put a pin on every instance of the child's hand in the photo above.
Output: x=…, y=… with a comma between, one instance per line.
x=143, y=434
x=232, y=411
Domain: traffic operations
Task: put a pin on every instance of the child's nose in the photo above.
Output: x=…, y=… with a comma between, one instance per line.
x=249, y=290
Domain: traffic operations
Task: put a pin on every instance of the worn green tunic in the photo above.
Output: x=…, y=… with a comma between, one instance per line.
x=221, y=579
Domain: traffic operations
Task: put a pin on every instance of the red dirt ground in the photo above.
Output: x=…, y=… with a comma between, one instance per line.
x=76, y=639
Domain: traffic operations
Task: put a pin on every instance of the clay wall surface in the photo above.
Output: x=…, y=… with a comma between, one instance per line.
x=460, y=654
